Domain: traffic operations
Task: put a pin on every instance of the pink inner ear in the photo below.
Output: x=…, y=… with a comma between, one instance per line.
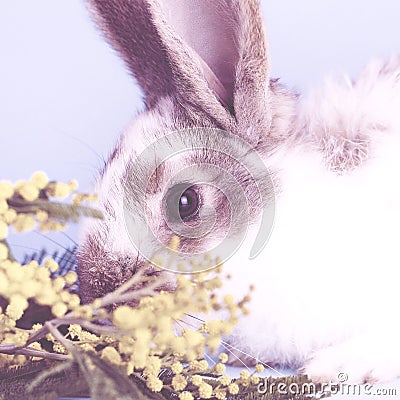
x=208, y=28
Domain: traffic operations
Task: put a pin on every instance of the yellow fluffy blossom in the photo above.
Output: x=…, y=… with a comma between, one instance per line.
x=225, y=380
x=36, y=327
x=244, y=374
x=153, y=366
x=213, y=343
x=61, y=190
x=9, y=216
x=139, y=356
x=73, y=185
x=39, y=180
x=186, y=396
x=28, y=191
x=59, y=348
x=229, y=300
x=15, y=272
x=86, y=336
x=6, y=190
x=203, y=365
x=42, y=216
x=59, y=310
x=19, y=338
x=174, y=243
x=15, y=309
x=176, y=367
x=197, y=380
x=87, y=347
x=193, y=337
x=58, y=283
x=47, y=297
x=3, y=230
x=154, y=384
x=3, y=207
x=3, y=283
x=53, y=226
x=31, y=288
x=215, y=327
x=220, y=395
x=3, y=252
x=70, y=277
x=233, y=388
x=259, y=368
x=107, y=339
x=24, y=223
x=79, y=198
x=219, y=368
x=194, y=365
x=51, y=264
x=85, y=311
x=75, y=331
x=205, y=390
x=112, y=355
x=74, y=301
x=179, y=382
x=255, y=380
x=38, y=347
x=223, y=357
x=124, y=317
x=42, y=274
x=191, y=355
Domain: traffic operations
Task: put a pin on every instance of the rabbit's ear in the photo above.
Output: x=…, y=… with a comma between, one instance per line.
x=210, y=54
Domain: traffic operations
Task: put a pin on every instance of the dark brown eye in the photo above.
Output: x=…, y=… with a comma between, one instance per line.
x=183, y=203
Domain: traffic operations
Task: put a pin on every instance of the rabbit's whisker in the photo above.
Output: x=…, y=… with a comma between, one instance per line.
x=70, y=238
x=232, y=349
x=54, y=242
x=25, y=247
x=100, y=157
x=229, y=348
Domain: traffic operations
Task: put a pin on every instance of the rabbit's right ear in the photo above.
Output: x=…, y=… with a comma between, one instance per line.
x=208, y=55
x=162, y=63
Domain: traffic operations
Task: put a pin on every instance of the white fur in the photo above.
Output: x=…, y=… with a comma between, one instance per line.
x=327, y=282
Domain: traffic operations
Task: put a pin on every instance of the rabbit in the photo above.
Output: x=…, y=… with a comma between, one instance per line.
x=325, y=285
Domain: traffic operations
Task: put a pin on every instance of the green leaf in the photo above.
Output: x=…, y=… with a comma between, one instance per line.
x=106, y=381
x=59, y=211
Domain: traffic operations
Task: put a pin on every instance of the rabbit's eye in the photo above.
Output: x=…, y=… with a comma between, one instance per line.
x=183, y=204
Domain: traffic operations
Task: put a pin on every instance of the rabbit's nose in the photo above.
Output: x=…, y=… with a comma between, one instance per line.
x=101, y=271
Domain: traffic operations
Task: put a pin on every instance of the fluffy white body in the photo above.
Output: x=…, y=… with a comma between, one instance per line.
x=327, y=283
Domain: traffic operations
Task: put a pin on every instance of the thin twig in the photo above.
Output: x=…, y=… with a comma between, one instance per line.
x=126, y=286
x=134, y=295
x=57, y=334
x=60, y=211
x=12, y=350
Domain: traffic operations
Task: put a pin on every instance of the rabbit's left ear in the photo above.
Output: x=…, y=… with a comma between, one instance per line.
x=210, y=55
x=229, y=39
